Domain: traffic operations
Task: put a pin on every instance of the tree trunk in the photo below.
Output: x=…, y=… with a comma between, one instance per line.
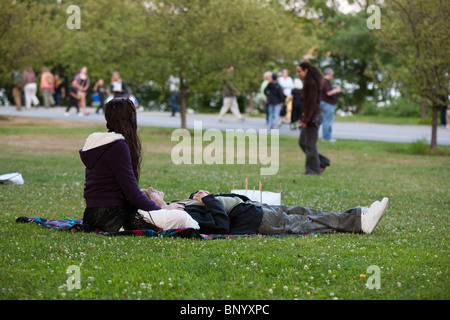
x=434, y=118
x=251, y=103
x=424, y=109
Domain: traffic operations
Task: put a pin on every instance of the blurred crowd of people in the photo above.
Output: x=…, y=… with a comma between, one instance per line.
x=53, y=90
x=283, y=100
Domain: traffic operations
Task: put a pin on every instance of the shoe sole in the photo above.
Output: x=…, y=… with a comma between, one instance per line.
x=384, y=204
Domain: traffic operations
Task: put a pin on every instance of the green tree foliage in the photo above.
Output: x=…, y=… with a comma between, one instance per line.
x=417, y=32
x=351, y=50
x=28, y=36
x=106, y=41
x=198, y=39
x=148, y=40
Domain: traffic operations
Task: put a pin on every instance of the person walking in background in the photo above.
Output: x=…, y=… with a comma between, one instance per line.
x=73, y=98
x=275, y=100
x=448, y=116
x=100, y=89
x=82, y=83
x=47, y=87
x=296, y=95
x=287, y=84
x=118, y=88
x=59, y=91
x=133, y=99
x=442, y=106
x=17, y=88
x=230, y=92
x=315, y=163
x=30, y=88
x=267, y=79
x=328, y=101
x=174, y=88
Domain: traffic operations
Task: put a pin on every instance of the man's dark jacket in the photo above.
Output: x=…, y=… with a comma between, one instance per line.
x=212, y=217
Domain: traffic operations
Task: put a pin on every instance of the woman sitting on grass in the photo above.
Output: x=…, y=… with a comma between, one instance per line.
x=236, y=214
x=112, y=161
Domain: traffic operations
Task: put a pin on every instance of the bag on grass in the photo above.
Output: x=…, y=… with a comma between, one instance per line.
x=11, y=178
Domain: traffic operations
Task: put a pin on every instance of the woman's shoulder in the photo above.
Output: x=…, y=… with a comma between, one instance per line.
x=98, y=139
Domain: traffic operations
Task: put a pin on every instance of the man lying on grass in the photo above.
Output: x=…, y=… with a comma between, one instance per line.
x=236, y=214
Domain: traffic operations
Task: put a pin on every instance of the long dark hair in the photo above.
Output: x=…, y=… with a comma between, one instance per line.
x=313, y=74
x=120, y=115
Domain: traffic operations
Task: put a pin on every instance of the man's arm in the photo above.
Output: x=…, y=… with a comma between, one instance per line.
x=217, y=211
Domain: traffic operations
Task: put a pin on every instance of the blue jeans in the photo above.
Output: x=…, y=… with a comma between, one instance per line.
x=328, y=117
x=173, y=103
x=273, y=115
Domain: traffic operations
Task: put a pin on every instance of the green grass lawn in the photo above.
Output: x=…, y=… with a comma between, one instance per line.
x=410, y=245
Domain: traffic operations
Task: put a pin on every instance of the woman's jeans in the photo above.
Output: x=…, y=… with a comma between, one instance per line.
x=328, y=118
x=314, y=162
x=273, y=115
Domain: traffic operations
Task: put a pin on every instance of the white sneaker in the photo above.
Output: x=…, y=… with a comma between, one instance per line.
x=80, y=114
x=66, y=114
x=371, y=216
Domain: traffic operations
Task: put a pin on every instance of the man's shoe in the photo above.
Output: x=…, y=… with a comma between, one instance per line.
x=371, y=216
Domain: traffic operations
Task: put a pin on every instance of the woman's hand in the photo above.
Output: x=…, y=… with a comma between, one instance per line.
x=156, y=196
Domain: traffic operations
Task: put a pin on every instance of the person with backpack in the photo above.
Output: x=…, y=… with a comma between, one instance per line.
x=17, y=89
x=275, y=100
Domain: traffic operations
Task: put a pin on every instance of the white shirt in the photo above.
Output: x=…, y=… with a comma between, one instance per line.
x=169, y=219
x=287, y=85
x=174, y=84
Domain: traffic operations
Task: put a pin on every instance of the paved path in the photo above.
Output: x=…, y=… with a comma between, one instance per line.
x=341, y=130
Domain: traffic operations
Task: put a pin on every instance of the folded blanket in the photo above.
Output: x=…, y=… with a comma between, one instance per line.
x=71, y=224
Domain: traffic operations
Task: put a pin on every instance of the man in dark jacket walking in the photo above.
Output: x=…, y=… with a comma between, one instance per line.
x=275, y=100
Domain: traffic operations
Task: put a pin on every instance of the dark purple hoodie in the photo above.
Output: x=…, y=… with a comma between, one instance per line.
x=110, y=180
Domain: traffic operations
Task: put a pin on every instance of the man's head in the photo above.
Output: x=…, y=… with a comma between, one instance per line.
x=328, y=73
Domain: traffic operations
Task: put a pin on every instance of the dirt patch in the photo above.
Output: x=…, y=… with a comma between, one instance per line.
x=42, y=122
x=42, y=143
